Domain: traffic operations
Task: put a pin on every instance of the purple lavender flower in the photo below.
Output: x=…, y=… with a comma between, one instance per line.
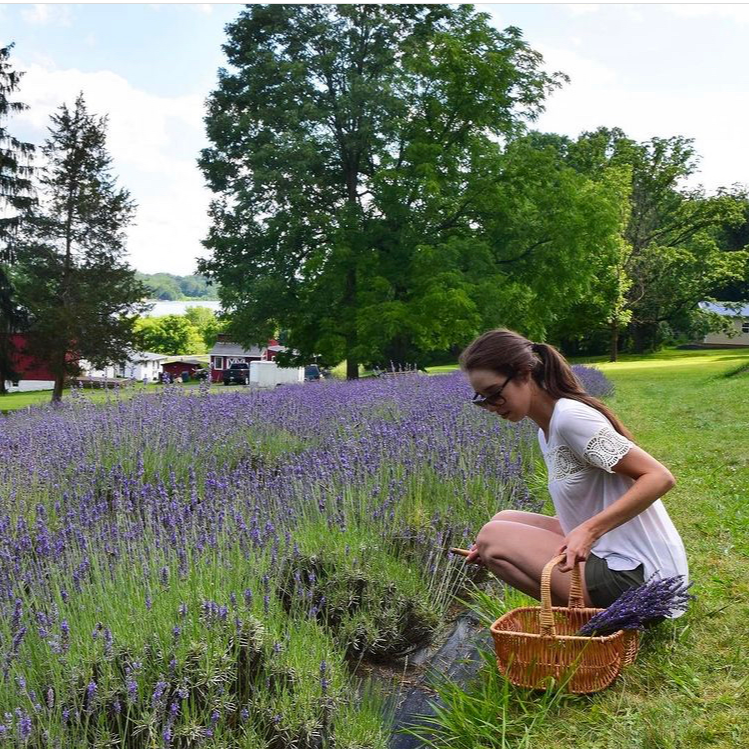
x=108, y=642
x=90, y=695
x=158, y=693
x=24, y=724
x=637, y=606
x=324, y=682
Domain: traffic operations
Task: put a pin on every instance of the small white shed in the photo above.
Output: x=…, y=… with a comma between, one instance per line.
x=267, y=374
x=740, y=322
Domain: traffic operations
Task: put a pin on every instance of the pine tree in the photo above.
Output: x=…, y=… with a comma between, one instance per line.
x=81, y=295
x=16, y=199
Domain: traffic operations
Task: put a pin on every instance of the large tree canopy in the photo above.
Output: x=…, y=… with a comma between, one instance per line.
x=365, y=202
x=672, y=255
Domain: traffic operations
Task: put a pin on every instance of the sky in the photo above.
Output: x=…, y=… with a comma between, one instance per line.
x=652, y=70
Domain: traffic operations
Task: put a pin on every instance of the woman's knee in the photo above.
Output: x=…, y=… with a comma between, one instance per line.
x=533, y=519
x=512, y=516
x=489, y=538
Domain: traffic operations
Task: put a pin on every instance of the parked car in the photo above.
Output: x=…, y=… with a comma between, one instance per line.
x=201, y=374
x=237, y=374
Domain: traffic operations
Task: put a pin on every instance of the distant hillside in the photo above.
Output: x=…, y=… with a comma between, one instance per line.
x=168, y=287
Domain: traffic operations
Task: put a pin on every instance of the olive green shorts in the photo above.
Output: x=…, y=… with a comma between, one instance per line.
x=605, y=585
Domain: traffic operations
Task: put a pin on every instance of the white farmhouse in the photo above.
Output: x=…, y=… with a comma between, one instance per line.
x=140, y=365
x=740, y=321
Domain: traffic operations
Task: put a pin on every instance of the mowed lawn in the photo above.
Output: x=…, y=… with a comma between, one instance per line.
x=691, y=688
x=690, y=684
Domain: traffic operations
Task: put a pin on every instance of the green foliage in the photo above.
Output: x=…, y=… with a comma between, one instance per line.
x=671, y=254
x=81, y=296
x=207, y=323
x=354, y=150
x=16, y=199
x=167, y=286
x=170, y=334
x=15, y=169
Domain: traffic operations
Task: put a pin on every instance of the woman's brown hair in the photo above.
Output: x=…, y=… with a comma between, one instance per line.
x=508, y=353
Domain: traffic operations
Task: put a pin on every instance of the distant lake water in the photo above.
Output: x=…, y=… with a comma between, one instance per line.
x=179, y=308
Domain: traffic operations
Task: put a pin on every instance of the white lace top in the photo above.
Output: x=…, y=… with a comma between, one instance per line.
x=581, y=450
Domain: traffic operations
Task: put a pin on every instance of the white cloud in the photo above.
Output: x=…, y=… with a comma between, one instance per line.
x=597, y=97
x=577, y=67
x=154, y=142
x=733, y=12
x=42, y=14
x=582, y=9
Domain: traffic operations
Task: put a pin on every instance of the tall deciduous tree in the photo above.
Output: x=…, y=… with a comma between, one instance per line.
x=352, y=151
x=81, y=295
x=170, y=334
x=16, y=200
x=672, y=258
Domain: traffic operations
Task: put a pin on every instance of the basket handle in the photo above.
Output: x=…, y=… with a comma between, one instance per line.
x=576, y=600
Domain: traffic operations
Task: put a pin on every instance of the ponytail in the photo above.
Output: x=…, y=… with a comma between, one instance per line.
x=508, y=353
x=556, y=377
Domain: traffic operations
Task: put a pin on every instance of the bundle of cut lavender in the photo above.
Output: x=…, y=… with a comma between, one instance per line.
x=637, y=606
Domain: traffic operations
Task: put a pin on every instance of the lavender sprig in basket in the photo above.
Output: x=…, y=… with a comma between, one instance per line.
x=637, y=606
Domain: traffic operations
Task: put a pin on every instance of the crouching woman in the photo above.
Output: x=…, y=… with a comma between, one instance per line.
x=606, y=490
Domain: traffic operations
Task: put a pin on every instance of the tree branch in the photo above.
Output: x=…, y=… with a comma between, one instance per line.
x=525, y=252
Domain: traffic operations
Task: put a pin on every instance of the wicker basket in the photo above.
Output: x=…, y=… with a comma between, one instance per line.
x=537, y=643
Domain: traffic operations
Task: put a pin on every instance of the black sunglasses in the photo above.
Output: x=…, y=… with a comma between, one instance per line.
x=495, y=399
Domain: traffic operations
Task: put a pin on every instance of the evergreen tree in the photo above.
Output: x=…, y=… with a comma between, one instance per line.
x=80, y=293
x=16, y=200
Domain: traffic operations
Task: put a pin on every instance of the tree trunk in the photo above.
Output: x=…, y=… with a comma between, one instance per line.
x=57, y=389
x=352, y=364
x=614, y=351
x=59, y=372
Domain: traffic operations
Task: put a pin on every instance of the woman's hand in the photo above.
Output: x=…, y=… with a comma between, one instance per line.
x=576, y=546
x=473, y=557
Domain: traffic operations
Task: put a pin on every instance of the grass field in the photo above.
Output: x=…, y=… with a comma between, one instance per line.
x=690, y=684
x=689, y=687
x=16, y=401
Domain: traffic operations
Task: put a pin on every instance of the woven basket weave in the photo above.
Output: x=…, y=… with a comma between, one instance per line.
x=537, y=643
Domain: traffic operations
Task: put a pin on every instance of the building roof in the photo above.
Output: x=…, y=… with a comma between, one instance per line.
x=185, y=360
x=141, y=356
x=227, y=348
x=737, y=309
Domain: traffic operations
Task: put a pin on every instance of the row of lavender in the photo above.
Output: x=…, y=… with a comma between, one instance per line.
x=187, y=570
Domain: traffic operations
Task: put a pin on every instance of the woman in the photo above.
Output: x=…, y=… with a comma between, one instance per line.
x=605, y=488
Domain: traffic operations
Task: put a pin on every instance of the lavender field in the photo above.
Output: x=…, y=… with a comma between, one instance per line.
x=192, y=569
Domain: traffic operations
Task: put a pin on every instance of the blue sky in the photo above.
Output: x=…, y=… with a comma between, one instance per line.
x=653, y=70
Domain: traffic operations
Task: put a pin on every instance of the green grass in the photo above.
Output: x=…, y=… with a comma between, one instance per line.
x=690, y=684
x=15, y=401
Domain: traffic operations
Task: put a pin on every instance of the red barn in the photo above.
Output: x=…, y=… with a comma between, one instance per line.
x=177, y=366
x=225, y=353
x=33, y=374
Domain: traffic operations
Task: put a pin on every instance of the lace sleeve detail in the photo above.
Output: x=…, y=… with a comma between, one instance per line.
x=606, y=448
